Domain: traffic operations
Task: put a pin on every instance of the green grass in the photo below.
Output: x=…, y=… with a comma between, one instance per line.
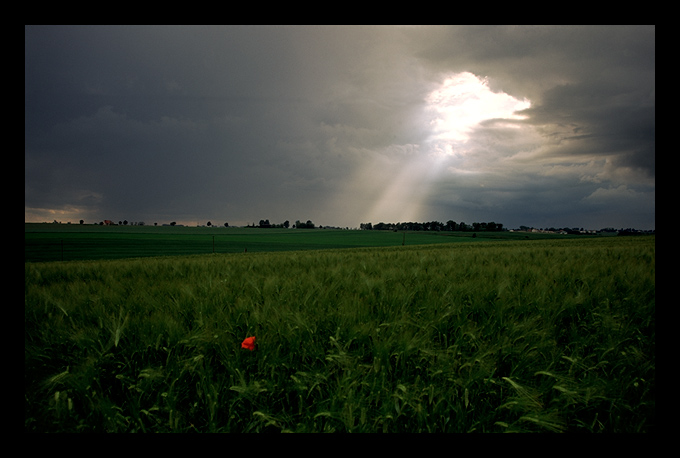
x=68, y=242
x=506, y=336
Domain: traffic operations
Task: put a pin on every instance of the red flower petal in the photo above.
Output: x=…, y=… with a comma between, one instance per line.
x=249, y=343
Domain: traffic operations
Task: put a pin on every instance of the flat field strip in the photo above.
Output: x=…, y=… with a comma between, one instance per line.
x=62, y=242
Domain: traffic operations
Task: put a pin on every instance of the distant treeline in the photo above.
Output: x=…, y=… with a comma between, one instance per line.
x=264, y=223
x=433, y=226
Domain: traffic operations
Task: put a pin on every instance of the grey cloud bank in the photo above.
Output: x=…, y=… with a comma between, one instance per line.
x=331, y=123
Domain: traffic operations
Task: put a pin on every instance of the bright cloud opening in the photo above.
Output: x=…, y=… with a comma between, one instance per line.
x=461, y=103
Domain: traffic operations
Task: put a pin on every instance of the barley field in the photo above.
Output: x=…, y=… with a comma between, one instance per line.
x=500, y=336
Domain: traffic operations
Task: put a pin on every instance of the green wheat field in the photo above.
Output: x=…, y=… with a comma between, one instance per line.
x=553, y=335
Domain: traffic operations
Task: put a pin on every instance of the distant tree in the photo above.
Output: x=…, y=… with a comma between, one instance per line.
x=300, y=225
x=433, y=226
x=81, y=221
x=125, y=223
x=286, y=224
x=226, y=224
x=173, y=223
x=209, y=224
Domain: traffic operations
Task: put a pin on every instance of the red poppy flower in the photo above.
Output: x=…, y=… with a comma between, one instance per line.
x=248, y=343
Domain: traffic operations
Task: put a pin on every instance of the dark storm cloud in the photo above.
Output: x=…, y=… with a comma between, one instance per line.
x=191, y=119
x=241, y=123
x=604, y=120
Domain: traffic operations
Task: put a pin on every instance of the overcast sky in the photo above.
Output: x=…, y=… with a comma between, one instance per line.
x=534, y=126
